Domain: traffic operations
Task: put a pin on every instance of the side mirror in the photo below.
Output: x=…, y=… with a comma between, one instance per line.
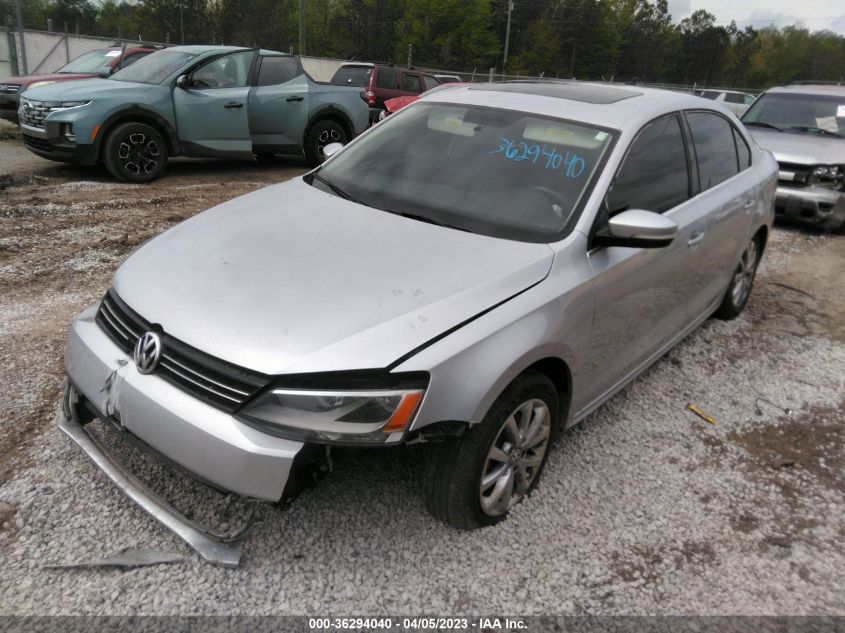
x=182, y=81
x=636, y=228
x=331, y=149
x=104, y=73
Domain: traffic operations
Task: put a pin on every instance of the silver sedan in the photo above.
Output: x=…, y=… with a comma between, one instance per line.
x=477, y=273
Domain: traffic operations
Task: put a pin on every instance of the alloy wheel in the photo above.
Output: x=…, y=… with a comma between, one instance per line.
x=744, y=275
x=515, y=458
x=138, y=154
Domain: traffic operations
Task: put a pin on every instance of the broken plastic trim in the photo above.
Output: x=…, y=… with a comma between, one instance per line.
x=211, y=550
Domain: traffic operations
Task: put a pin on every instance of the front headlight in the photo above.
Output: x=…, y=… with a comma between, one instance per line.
x=830, y=176
x=38, y=84
x=72, y=104
x=379, y=416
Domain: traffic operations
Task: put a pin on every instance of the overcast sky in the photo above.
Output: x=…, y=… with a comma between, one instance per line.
x=814, y=15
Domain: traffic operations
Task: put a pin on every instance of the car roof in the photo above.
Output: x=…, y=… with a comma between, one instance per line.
x=609, y=105
x=199, y=50
x=811, y=89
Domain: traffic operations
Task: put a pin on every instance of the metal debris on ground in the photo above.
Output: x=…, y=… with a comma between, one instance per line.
x=701, y=413
x=126, y=558
x=759, y=411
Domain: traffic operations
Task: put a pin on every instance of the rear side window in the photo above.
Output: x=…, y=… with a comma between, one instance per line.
x=742, y=151
x=430, y=82
x=715, y=148
x=732, y=97
x=277, y=70
x=410, y=83
x=386, y=78
x=655, y=173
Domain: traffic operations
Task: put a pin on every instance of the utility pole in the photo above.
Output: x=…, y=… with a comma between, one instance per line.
x=572, y=61
x=19, y=11
x=302, y=27
x=507, y=36
x=181, y=26
x=410, y=54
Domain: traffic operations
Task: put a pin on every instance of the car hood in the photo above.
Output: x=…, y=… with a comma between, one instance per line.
x=289, y=279
x=31, y=79
x=84, y=89
x=800, y=148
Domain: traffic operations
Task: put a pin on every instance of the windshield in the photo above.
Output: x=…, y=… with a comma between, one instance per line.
x=90, y=63
x=496, y=172
x=154, y=68
x=820, y=114
x=358, y=76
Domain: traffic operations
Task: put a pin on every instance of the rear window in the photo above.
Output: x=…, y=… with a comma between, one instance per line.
x=277, y=70
x=358, y=76
x=715, y=148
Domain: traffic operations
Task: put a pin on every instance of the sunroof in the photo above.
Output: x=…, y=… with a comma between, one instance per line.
x=588, y=93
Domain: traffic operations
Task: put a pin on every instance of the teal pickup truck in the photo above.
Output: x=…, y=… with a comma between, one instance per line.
x=203, y=101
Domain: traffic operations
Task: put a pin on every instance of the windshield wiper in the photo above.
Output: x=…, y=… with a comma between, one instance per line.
x=762, y=124
x=335, y=188
x=425, y=218
x=810, y=128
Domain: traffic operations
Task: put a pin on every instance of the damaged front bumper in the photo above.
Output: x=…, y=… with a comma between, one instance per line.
x=814, y=206
x=209, y=444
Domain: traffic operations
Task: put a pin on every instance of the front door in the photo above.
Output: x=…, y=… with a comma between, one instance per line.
x=212, y=113
x=640, y=305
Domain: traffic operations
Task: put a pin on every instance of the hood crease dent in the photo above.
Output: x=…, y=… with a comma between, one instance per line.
x=289, y=279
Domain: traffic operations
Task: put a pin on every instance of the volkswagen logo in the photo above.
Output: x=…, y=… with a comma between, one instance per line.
x=147, y=352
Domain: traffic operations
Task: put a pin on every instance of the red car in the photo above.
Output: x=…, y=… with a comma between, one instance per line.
x=397, y=103
x=97, y=63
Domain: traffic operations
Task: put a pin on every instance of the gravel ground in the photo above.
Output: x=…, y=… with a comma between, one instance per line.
x=643, y=509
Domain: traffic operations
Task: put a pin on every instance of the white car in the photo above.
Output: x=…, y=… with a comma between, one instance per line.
x=734, y=100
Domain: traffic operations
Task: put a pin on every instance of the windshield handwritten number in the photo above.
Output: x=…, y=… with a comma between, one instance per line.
x=522, y=151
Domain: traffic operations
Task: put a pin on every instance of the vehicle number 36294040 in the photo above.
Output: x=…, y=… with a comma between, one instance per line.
x=521, y=151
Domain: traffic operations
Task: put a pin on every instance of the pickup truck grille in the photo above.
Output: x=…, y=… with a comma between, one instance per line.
x=209, y=379
x=793, y=174
x=33, y=113
x=9, y=89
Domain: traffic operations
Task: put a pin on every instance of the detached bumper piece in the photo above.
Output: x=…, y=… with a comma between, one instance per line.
x=195, y=536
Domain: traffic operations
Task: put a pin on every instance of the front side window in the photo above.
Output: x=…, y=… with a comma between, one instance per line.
x=733, y=97
x=655, y=174
x=715, y=148
x=277, y=70
x=497, y=172
x=154, y=68
x=229, y=71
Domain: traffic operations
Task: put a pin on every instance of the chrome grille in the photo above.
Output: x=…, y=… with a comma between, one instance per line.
x=221, y=384
x=33, y=113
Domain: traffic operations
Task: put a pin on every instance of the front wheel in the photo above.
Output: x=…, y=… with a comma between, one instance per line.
x=474, y=480
x=323, y=133
x=739, y=290
x=135, y=152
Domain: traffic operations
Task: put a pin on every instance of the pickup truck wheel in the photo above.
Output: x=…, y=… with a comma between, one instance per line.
x=474, y=480
x=135, y=152
x=738, y=292
x=321, y=134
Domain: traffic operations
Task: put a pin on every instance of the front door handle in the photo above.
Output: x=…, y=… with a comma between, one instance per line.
x=233, y=105
x=297, y=98
x=695, y=239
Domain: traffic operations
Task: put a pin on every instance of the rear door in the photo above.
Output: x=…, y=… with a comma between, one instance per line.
x=385, y=84
x=211, y=110
x=727, y=198
x=278, y=106
x=640, y=306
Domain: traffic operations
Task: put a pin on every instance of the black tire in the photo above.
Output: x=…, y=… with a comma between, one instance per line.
x=742, y=281
x=135, y=152
x=321, y=134
x=452, y=471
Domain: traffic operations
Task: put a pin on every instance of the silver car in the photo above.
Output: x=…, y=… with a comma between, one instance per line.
x=477, y=273
x=804, y=127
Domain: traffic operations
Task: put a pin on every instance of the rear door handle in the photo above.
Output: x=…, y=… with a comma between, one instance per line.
x=695, y=239
x=233, y=105
x=295, y=98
